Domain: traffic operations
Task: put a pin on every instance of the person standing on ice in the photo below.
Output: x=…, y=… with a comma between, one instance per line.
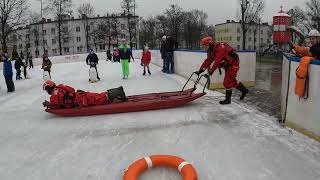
x=92, y=60
x=145, y=60
x=124, y=56
x=222, y=55
x=46, y=65
x=116, y=57
x=63, y=96
x=17, y=65
x=163, y=52
x=7, y=72
x=29, y=59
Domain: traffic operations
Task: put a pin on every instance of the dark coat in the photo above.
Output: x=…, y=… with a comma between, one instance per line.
x=7, y=68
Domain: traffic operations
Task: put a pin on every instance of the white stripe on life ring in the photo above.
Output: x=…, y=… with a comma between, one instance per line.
x=149, y=162
x=182, y=165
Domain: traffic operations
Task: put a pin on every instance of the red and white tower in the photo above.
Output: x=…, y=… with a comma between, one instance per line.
x=280, y=34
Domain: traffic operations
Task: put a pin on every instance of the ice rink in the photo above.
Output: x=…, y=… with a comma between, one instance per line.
x=234, y=142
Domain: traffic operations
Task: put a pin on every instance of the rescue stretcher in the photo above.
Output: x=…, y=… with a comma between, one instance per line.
x=144, y=102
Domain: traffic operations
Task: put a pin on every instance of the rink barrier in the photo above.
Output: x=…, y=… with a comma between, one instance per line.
x=300, y=114
x=188, y=61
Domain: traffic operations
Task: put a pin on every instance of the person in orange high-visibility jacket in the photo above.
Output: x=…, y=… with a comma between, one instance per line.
x=222, y=55
x=309, y=54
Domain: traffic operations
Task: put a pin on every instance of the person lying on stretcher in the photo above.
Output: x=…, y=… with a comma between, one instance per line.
x=63, y=96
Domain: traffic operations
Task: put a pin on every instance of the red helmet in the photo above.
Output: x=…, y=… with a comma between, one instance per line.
x=206, y=41
x=48, y=85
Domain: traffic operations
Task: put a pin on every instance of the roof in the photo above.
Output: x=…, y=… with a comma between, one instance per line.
x=234, y=22
x=282, y=13
x=79, y=19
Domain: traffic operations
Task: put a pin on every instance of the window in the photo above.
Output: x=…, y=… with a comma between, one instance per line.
x=44, y=32
x=20, y=46
x=27, y=36
x=268, y=40
x=79, y=49
x=250, y=39
x=261, y=32
x=238, y=47
x=123, y=26
x=78, y=39
x=249, y=47
x=89, y=38
x=88, y=28
x=36, y=43
x=238, y=38
x=54, y=51
x=102, y=47
x=54, y=41
x=239, y=30
x=65, y=40
x=65, y=29
x=78, y=29
x=66, y=50
x=45, y=42
x=53, y=31
x=249, y=30
x=123, y=36
x=261, y=39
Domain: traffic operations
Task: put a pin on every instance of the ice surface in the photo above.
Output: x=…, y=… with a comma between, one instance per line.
x=234, y=142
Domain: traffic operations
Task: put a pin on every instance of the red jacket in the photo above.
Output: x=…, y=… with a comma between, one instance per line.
x=65, y=97
x=146, y=58
x=62, y=96
x=84, y=99
x=222, y=54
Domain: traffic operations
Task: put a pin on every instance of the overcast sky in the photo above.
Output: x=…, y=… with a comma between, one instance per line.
x=218, y=10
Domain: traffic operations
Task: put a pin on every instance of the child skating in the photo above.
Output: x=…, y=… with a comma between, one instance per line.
x=145, y=60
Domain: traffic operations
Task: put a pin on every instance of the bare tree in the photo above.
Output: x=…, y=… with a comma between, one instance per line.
x=174, y=16
x=313, y=11
x=60, y=9
x=194, y=27
x=100, y=34
x=12, y=15
x=129, y=7
x=85, y=12
x=147, y=34
x=115, y=27
x=250, y=11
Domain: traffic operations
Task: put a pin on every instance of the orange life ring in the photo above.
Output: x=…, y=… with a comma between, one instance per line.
x=135, y=169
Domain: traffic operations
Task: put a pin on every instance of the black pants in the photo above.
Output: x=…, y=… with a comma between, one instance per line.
x=30, y=64
x=25, y=72
x=10, y=84
x=18, y=75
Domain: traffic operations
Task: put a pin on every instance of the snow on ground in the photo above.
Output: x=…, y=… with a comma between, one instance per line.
x=232, y=142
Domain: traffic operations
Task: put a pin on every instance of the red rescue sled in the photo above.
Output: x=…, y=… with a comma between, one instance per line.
x=145, y=102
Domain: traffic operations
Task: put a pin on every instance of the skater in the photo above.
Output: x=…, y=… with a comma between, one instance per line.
x=93, y=60
x=17, y=65
x=222, y=55
x=29, y=59
x=116, y=57
x=63, y=96
x=145, y=60
x=124, y=56
x=131, y=55
x=46, y=65
x=109, y=56
x=7, y=72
